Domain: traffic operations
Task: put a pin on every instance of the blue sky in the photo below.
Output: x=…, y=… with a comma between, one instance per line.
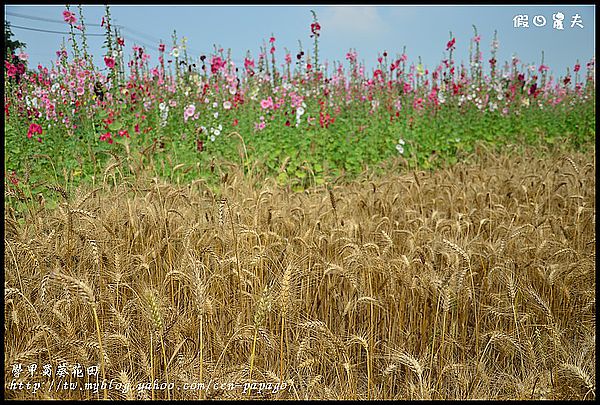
x=423, y=30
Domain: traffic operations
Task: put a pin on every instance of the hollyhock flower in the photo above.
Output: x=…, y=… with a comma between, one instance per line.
x=266, y=103
x=34, y=129
x=533, y=88
x=288, y=58
x=271, y=40
x=175, y=52
x=418, y=104
x=477, y=38
x=248, y=63
x=121, y=41
x=23, y=56
x=227, y=105
x=216, y=64
x=14, y=179
x=69, y=17
x=161, y=47
x=106, y=137
x=450, y=44
x=543, y=68
x=11, y=69
x=189, y=112
x=80, y=91
x=109, y=61
x=577, y=67
x=123, y=133
x=315, y=28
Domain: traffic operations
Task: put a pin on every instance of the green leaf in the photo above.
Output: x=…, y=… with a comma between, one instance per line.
x=282, y=178
x=115, y=126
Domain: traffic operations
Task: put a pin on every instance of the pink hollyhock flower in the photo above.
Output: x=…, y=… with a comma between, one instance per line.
x=69, y=17
x=216, y=63
x=34, y=129
x=189, y=112
x=248, y=63
x=266, y=103
x=418, y=103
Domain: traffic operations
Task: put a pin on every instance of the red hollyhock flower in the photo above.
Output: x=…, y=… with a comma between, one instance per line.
x=110, y=62
x=106, y=137
x=315, y=28
x=533, y=88
x=450, y=44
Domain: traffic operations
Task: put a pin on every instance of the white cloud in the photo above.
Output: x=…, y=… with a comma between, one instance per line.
x=354, y=22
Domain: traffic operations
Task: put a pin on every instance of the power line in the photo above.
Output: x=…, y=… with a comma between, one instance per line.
x=30, y=17
x=129, y=36
x=55, y=32
x=77, y=33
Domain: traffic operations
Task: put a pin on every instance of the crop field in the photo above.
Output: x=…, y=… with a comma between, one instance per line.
x=193, y=230
x=476, y=281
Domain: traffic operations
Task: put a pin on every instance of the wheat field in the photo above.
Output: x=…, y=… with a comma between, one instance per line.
x=475, y=281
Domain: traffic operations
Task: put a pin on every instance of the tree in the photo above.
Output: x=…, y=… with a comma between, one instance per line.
x=9, y=44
